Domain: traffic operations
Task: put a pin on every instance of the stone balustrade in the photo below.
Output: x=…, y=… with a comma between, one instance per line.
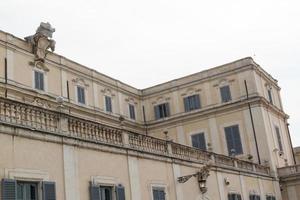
x=37, y=118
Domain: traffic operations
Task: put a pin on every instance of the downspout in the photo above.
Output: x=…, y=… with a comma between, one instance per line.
x=5, y=75
x=291, y=145
x=144, y=116
x=252, y=123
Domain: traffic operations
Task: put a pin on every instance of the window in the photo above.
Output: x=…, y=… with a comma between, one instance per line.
x=225, y=93
x=191, y=103
x=278, y=138
x=254, y=197
x=27, y=191
x=108, y=104
x=159, y=193
x=198, y=141
x=270, y=96
x=80, y=95
x=234, y=197
x=131, y=111
x=233, y=140
x=270, y=197
x=38, y=80
x=21, y=190
x=162, y=111
x=107, y=192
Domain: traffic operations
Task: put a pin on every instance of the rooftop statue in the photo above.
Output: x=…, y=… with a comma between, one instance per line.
x=41, y=41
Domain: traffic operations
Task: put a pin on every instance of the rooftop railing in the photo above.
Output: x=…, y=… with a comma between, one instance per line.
x=37, y=118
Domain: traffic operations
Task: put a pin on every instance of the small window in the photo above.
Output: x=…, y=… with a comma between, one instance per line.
x=225, y=93
x=131, y=111
x=270, y=197
x=162, y=111
x=198, y=141
x=192, y=103
x=159, y=193
x=39, y=80
x=80, y=95
x=233, y=196
x=233, y=140
x=270, y=96
x=108, y=104
x=27, y=191
x=279, y=138
x=254, y=197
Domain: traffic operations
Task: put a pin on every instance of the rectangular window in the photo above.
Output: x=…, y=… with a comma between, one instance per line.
x=80, y=95
x=198, y=141
x=159, y=193
x=192, y=103
x=270, y=197
x=234, y=196
x=233, y=140
x=39, y=80
x=131, y=111
x=108, y=104
x=27, y=191
x=279, y=138
x=225, y=93
x=270, y=96
x=162, y=111
x=254, y=197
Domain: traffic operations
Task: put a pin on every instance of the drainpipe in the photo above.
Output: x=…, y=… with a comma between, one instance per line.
x=252, y=123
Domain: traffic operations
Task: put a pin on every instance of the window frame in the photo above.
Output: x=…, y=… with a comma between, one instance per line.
x=233, y=139
x=279, y=138
x=165, y=108
x=106, y=104
x=38, y=71
x=270, y=95
x=192, y=102
x=159, y=188
x=79, y=87
x=228, y=96
x=237, y=196
x=254, y=197
x=37, y=188
x=204, y=136
x=131, y=111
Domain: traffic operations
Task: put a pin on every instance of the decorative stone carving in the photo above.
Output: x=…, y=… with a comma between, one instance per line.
x=41, y=43
x=80, y=81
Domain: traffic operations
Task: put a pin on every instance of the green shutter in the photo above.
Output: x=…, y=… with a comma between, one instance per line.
x=156, y=112
x=167, y=105
x=120, y=190
x=49, y=191
x=197, y=102
x=186, y=104
x=9, y=189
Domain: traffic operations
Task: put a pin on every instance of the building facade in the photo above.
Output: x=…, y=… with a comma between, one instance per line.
x=70, y=132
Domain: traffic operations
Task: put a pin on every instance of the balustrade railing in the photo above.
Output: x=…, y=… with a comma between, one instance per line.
x=183, y=151
x=34, y=117
x=27, y=115
x=147, y=143
x=93, y=131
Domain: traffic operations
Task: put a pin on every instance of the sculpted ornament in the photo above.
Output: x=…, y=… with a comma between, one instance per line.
x=41, y=42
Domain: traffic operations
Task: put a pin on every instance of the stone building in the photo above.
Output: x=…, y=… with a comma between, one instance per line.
x=70, y=132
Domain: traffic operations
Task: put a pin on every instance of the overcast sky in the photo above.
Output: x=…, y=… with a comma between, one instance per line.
x=143, y=43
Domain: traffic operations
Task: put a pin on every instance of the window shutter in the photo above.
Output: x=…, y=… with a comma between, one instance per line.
x=167, y=109
x=202, y=141
x=230, y=197
x=120, y=190
x=49, y=192
x=237, y=140
x=197, y=102
x=229, y=140
x=238, y=197
x=9, y=189
x=186, y=104
x=41, y=81
x=156, y=112
x=155, y=195
x=94, y=192
x=161, y=194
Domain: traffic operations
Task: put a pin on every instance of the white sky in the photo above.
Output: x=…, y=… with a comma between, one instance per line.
x=143, y=43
